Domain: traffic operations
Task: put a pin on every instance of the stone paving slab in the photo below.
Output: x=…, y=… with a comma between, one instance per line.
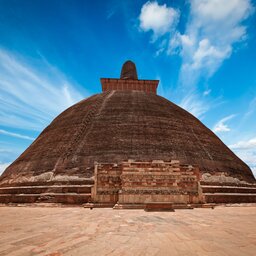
x=78, y=231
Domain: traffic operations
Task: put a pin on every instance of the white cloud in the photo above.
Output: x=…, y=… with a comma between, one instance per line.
x=174, y=44
x=212, y=30
x=110, y=13
x=207, y=92
x=161, y=47
x=194, y=104
x=221, y=125
x=252, y=108
x=217, y=11
x=214, y=27
x=5, y=150
x=3, y=166
x=10, y=150
x=254, y=171
x=243, y=145
x=16, y=135
x=32, y=96
x=246, y=150
x=208, y=55
x=248, y=156
x=197, y=103
x=158, y=18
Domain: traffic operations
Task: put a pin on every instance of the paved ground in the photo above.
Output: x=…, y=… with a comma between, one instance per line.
x=79, y=231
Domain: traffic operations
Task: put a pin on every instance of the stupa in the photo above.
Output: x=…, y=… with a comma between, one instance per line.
x=127, y=146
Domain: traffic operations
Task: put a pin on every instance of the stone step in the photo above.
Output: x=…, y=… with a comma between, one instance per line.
x=227, y=189
x=46, y=189
x=86, y=181
x=217, y=184
x=159, y=207
x=119, y=206
x=230, y=197
x=98, y=205
x=66, y=198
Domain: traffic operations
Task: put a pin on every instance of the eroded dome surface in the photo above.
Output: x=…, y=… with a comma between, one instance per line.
x=119, y=125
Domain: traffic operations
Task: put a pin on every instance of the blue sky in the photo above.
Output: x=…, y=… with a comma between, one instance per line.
x=53, y=53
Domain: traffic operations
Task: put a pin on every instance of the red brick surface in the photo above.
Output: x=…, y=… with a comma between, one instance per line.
x=140, y=182
x=119, y=125
x=109, y=84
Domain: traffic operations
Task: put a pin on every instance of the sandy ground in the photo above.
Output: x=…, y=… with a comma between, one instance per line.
x=79, y=231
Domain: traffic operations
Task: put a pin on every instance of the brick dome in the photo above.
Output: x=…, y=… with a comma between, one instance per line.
x=121, y=124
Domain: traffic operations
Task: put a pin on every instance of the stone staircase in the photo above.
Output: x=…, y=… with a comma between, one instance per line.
x=85, y=124
x=229, y=193
x=47, y=193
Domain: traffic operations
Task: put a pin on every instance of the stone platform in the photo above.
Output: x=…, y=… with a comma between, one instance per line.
x=77, y=231
x=65, y=194
x=229, y=193
x=131, y=185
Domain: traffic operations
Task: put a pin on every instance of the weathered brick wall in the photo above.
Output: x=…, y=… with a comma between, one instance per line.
x=107, y=182
x=142, y=182
x=159, y=181
x=109, y=84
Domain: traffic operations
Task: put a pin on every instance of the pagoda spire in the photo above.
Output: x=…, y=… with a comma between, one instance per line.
x=129, y=71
